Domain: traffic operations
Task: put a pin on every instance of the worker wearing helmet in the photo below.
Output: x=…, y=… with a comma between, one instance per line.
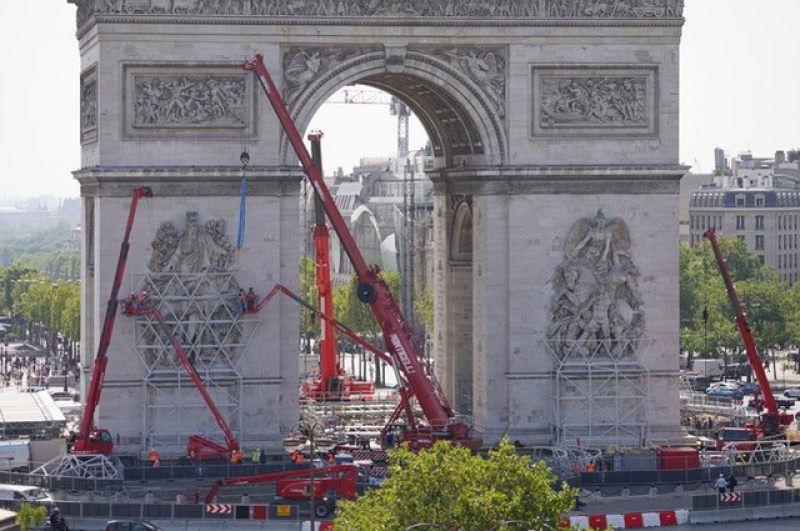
x=57, y=521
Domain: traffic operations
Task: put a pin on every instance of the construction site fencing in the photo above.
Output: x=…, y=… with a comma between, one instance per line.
x=707, y=474
x=738, y=500
x=146, y=473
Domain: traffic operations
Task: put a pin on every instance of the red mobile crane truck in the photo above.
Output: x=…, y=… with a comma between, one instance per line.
x=333, y=383
x=296, y=485
x=405, y=350
x=200, y=448
x=90, y=439
x=772, y=421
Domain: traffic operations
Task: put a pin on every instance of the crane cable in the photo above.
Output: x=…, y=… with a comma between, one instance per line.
x=245, y=159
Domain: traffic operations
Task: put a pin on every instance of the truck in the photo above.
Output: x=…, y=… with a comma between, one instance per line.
x=318, y=485
x=711, y=369
x=771, y=421
x=419, y=385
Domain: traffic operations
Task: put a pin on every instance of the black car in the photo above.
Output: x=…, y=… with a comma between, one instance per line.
x=780, y=401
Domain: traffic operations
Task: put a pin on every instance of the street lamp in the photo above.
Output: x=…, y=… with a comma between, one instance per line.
x=307, y=435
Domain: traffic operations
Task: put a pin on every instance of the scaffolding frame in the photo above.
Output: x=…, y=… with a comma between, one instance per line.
x=201, y=310
x=601, y=392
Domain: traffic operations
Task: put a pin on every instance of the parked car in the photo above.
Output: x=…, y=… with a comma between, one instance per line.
x=793, y=392
x=780, y=401
x=727, y=384
x=750, y=388
x=131, y=525
x=725, y=392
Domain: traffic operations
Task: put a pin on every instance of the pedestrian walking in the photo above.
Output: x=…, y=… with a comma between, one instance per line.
x=732, y=483
x=721, y=484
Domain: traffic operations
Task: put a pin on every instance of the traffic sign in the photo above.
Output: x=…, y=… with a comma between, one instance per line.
x=730, y=497
x=218, y=508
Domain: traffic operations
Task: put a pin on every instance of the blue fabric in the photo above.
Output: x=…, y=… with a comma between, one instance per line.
x=240, y=237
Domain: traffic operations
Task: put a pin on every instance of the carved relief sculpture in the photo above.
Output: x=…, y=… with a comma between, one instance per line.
x=191, y=284
x=302, y=66
x=189, y=101
x=593, y=101
x=596, y=309
x=487, y=68
x=388, y=8
x=88, y=96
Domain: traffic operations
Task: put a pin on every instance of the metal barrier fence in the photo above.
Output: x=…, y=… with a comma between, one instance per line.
x=759, y=498
x=693, y=475
x=147, y=473
x=156, y=511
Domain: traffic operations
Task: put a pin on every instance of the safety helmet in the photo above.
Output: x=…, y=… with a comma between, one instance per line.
x=56, y=510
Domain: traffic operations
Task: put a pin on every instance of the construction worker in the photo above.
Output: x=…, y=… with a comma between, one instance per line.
x=251, y=300
x=242, y=300
x=141, y=301
x=257, y=455
x=130, y=300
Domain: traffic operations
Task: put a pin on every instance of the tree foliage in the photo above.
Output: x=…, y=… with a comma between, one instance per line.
x=707, y=316
x=424, y=309
x=353, y=313
x=452, y=488
x=29, y=516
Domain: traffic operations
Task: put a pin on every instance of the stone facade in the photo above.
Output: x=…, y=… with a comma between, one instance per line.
x=540, y=113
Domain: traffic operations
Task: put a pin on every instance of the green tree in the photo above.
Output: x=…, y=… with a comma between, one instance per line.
x=450, y=487
x=29, y=516
x=308, y=292
x=424, y=308
x=356, y=315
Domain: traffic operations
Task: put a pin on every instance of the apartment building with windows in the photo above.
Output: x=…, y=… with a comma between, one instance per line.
x=757, y=201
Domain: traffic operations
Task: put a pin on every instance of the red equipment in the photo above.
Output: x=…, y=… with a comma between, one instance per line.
x=333, y=382
x=373, y=290
x=90, y=439
x=296, y=485
x=772, y=421
x=199, y=448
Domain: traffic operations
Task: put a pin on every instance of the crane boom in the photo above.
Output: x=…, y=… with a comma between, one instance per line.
x=199, y=447
x=772, y=419
x=85, y=443
x=372, y=289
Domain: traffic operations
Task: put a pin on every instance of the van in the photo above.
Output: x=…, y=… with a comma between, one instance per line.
x=23, y=493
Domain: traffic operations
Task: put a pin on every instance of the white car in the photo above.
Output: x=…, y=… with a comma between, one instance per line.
x=725, y=385
x=792, y=392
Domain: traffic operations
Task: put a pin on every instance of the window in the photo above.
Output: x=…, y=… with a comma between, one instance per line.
x=739, y=200
x=760, y=242
x=739, y=222
x=741, y=238
x=760, y=200
x=759, y=222
x=761, y=259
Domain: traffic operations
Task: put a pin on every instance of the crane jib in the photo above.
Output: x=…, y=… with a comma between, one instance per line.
x=402, y=354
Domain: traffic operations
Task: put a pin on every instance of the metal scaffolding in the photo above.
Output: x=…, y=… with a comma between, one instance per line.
x=201, y=310
x=601, y=393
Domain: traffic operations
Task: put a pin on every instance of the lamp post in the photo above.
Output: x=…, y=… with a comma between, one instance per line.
x=307, y=430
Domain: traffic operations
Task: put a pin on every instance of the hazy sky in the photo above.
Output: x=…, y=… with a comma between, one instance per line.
x=740, y=80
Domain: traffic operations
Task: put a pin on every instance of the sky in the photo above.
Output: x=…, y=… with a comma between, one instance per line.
x=740, y=80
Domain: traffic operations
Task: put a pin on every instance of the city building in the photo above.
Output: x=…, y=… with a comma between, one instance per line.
x=758, y=201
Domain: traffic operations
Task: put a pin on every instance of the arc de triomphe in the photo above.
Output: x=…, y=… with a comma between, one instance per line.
x=554, y=125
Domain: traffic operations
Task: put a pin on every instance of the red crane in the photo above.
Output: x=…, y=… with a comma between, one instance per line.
x=333, y=383
x=90, y=439
x=772, y=421
x=399, y=337
x=296, y=485
x=198, y=448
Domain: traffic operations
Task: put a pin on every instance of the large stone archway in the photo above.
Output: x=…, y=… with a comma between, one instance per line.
x=541, y=114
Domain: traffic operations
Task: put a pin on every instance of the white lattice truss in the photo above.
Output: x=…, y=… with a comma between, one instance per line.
x=600, y=393
x=201, y=311
x=83, y=466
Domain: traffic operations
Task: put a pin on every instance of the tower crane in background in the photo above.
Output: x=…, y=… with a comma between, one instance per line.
x=361, y=96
